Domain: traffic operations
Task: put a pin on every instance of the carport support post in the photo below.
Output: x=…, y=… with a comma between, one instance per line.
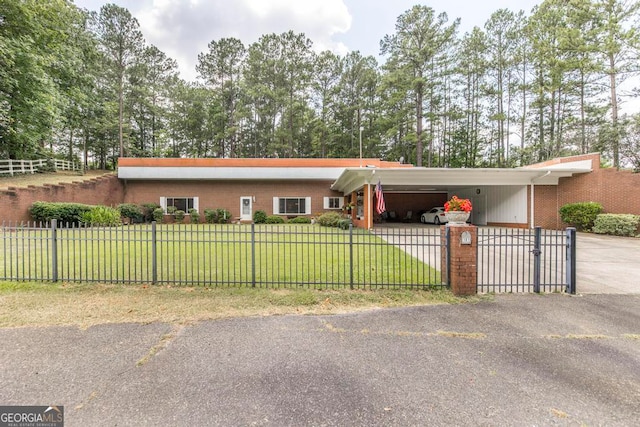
x=462, y=271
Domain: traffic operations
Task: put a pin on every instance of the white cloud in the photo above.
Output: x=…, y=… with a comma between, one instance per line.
x=183, y=28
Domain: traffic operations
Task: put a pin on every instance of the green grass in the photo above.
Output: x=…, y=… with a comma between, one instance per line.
x=216, y=255
x=84, y=305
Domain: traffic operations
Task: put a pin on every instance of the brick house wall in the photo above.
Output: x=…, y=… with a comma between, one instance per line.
x=226, y=194
x=618, y=191
x=103, y=190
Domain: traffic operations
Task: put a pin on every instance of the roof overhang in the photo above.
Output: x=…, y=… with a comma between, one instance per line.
x=228, y=173
x=443, y=179
x=344, y=174
x=241, y=169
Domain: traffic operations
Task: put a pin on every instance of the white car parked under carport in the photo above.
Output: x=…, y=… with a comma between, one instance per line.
x=434, y=216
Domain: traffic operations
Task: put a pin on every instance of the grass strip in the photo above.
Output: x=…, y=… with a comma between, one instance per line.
x=37, y=304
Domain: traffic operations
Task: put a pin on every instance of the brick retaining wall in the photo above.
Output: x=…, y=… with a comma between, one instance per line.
x=102, y=190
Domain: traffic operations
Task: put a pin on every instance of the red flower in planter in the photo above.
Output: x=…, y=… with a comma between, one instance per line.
x=457, y=205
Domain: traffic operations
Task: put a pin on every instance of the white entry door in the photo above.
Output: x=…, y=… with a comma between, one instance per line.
x=246, y=208
x=479, y=212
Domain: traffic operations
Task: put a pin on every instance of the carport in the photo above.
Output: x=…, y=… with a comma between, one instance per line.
x=500, y=196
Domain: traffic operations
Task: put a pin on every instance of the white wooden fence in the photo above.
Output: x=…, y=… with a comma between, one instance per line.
x=13, y=167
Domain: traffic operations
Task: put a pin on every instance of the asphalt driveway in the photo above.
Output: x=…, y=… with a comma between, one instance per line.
x=607, y=264
x=518, y=360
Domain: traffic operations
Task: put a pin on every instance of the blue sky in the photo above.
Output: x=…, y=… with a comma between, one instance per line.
x=183, y=28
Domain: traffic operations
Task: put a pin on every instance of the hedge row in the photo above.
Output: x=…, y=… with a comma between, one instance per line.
x=617, y=224
x=261, y=217
x=588, y=216
x=74, y=214
x=77, y=213
x=65, y=213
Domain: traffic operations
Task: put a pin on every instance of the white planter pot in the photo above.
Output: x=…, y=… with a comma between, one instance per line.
x=457, y=217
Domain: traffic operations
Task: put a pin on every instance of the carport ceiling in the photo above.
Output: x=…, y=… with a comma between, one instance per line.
x=424, y=180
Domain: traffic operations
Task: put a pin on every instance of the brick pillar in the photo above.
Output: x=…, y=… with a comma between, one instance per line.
x=462, y=269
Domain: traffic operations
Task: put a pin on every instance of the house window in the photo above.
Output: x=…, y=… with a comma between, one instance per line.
x=180, y=203
x=333, y=202
x=292, y=205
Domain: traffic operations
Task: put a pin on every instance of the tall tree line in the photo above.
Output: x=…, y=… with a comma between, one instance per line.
x=525, y=87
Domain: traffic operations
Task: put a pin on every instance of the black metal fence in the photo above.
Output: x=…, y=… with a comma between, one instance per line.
x=526, y=260
x=508, y=260
x=222, y=255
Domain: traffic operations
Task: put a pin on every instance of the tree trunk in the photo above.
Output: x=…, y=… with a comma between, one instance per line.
x=419, y=100
x=615, y=142
x=583, y=121
x=70, y=156
x=120, y=113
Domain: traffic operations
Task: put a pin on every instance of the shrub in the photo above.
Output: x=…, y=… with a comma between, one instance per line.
x=274, y=219
x=195, y=216
x=260, y=217
x=179, y=215
x=580, y=215
x=65, y=213
x=616, y=224
x=158, y=215
x=300, y=220
x=131, y=211
x=329, y=219
x=147, y=210
x=101, y=216
x=344, y=223
x=48, y=166
x=224, y=216
x=171, y=210
x=217, y=216
x=210, y=216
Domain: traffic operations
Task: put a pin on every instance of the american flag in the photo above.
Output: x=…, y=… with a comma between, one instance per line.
x=380, y=206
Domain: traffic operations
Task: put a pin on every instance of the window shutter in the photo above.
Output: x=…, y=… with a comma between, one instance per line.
x=325, y=204
x=163, y=203
x=276, y=205
x=307, y=205
x=196, y=203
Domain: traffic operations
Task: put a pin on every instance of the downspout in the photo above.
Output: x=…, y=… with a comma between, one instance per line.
x=532, y=206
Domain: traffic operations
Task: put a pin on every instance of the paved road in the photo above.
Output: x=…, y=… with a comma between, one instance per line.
x=520, y=360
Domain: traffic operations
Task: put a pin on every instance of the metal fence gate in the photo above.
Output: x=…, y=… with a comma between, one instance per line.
x=526, y=260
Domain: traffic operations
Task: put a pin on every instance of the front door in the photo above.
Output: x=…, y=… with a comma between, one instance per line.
x=246, y=212
x=479, y=212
